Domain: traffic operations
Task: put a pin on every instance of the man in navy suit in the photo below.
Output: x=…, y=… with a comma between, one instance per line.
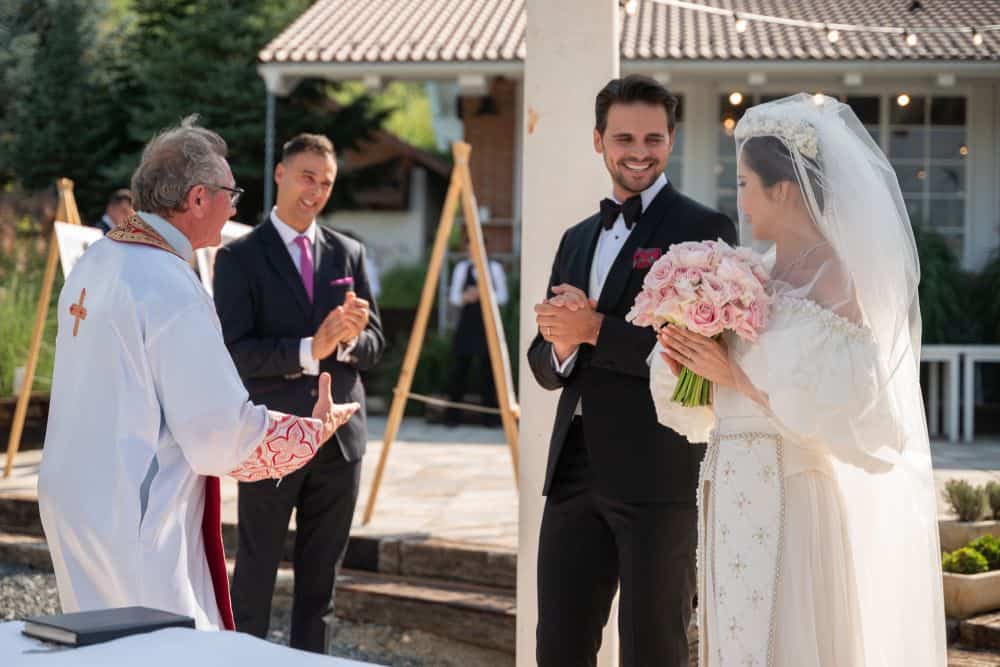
x=294, y=300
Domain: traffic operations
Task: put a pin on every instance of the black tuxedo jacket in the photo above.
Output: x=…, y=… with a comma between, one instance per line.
x=632, y=457
x=265, y=312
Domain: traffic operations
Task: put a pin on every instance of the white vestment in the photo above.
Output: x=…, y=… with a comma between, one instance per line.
x=146, y=403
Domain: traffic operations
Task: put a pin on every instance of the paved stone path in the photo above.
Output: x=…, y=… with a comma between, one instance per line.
x=458, y=484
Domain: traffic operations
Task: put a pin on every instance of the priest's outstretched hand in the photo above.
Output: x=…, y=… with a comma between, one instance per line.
x=290, y=442
x=333, y=415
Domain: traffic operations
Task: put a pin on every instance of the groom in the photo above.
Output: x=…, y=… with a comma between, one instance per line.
x=620, y=489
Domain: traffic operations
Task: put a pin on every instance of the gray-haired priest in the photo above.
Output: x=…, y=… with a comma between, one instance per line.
x=147, y=408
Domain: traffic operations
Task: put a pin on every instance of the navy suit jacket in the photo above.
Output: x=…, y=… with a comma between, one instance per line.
x=265, y=313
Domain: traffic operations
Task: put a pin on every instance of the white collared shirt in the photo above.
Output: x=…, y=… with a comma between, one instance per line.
x=310, y=366
x=461, y=272
x=609, y=244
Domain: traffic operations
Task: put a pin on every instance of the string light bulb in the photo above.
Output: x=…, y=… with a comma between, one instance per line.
x=819, y=99
x=631, y=7
x=736, y=98
x=910, y=36
x=903, y=100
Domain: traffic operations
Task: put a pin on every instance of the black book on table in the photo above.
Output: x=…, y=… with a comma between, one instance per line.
x=101, y=625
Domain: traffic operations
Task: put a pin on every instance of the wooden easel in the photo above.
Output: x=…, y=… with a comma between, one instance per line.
x=460, y=189
x=66, y=212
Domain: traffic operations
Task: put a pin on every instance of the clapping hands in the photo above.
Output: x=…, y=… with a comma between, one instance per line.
x=342, y=324
x=568, y=319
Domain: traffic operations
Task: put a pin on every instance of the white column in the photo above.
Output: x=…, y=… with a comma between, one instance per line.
x=701, y=140
x=572, y=52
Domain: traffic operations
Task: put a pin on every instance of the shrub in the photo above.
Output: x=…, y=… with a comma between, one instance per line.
x=402, y=285
x=431, y=376
x=967, y=501
x=989, y=547
x=964, y=561
x=993, y=497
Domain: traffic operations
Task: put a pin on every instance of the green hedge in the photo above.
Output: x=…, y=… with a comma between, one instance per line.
x=20, y=283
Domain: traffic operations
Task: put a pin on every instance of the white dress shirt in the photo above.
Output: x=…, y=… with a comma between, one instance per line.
x=609, y=245
x=310, y=366
x=461, y=272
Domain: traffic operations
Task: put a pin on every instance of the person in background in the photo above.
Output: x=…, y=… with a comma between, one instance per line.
x=469, y=347
x=119, y=208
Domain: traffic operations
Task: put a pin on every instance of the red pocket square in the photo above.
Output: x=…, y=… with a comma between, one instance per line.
x=645, y=257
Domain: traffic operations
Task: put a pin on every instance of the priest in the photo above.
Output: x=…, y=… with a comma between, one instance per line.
x=147, y=409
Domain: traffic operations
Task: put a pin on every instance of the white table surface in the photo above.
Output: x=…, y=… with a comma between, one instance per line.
x=173, y=647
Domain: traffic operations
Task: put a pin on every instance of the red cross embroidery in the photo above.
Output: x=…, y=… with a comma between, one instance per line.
x=78, y=311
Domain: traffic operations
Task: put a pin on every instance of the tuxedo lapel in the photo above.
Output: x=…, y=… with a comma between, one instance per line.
x=281, y=261
x=580, y=276
x=650, y=219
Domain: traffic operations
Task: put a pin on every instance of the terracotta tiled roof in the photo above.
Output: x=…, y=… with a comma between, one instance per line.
x=436, y=31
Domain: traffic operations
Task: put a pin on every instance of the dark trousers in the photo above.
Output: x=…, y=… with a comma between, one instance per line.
x=462, y=364
x=589, y=545
x=323, y=494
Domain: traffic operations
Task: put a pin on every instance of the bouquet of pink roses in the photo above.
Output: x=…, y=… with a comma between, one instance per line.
x=707, y=287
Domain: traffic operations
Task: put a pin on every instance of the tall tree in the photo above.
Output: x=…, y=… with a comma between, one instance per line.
x=49, y=88
x=199, y=56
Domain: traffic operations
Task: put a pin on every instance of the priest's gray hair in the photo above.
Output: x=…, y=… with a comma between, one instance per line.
x=173, y=162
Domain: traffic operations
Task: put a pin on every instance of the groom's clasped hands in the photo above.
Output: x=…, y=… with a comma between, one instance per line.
x=568, y=319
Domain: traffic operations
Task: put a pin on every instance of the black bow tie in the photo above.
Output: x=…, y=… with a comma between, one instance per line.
x=630, y=210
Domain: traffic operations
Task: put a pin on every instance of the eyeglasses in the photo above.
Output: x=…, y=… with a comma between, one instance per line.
x=234, y=193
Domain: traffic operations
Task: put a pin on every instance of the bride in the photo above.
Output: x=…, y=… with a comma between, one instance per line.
x=818, y=538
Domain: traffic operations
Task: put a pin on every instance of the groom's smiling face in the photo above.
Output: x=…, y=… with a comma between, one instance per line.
x=636, y=145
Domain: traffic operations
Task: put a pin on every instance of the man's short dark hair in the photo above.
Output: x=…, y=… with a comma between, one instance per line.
x=120, y=195
x=312, y=143
x=634, y=88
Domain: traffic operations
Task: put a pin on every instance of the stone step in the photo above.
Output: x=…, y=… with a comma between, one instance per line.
x=404, y=555
x=981, y=632
x=959, y=657
x=29, y=550
x=479, y=615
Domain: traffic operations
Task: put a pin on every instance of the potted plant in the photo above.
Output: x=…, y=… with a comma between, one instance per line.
x=969, y=503
x=972, y=578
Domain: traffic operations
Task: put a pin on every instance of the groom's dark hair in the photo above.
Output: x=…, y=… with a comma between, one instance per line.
x=629, y=90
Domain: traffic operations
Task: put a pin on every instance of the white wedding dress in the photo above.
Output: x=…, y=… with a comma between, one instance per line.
x=777, y=583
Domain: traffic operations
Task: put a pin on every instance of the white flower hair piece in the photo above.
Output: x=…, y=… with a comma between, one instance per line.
x=800, y=134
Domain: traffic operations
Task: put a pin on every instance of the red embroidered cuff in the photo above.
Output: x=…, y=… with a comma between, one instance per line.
x=289, y=444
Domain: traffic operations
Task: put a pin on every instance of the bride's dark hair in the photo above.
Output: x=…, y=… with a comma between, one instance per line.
x=770, y=158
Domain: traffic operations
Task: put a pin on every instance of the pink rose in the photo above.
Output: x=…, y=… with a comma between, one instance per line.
x=660, y=274
x=757, y=315
x=704, y=318
x=642, y=310
x=692, y=254
x=730, y=316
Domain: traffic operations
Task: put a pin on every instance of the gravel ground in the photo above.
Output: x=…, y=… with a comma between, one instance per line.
x=27, y=592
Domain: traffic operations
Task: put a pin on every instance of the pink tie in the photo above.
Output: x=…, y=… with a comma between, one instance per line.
x=305, y=264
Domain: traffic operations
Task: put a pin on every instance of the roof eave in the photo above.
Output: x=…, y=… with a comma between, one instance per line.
x=279, y=74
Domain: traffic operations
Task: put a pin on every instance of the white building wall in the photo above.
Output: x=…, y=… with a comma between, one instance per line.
x=392, y=238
